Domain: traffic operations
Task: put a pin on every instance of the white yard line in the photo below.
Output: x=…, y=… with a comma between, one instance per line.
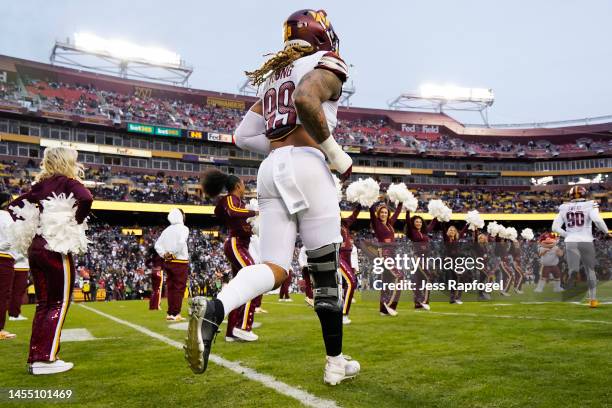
x=468, y=314
x=302, y=396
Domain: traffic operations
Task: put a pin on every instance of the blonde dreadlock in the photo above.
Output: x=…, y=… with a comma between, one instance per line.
x=279, y=61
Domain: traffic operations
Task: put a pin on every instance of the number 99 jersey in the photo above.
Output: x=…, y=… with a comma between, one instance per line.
x=276, y=94
x=578, y=219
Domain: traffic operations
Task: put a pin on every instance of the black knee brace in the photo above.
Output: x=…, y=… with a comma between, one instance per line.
x=323, y=268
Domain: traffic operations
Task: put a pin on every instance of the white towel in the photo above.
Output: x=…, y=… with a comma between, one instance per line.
x=283, y=175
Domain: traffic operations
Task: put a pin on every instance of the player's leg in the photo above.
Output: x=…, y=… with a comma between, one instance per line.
x=587, y=255
x=319, y=228
x=572, y=256
x=277, y=241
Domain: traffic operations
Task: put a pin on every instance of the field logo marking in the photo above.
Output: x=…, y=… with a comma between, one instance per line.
x=302, y=396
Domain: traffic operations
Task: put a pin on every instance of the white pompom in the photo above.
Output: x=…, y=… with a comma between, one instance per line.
x=527, y=234
x=474, y=220
x=25, y=228
x=253, y=205
x=437, y=209
x=399, y=193
x=493, y=228
x=511, y=233
x=364, y=192
x=59, y=227
x=338, y=187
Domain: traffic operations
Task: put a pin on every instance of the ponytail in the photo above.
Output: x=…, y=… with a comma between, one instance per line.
x=214, y=181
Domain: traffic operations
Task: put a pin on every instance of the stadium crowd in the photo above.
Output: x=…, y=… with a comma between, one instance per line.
x=86, y=100
x=117, y=260
x=108, y=184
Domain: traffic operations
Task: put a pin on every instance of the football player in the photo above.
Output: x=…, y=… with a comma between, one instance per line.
x=578, y=216
x=292, y=123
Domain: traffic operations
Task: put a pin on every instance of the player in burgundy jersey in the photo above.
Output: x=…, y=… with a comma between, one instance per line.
x=292, y=123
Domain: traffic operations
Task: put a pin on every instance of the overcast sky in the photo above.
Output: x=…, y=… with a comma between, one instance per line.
x=544, y=59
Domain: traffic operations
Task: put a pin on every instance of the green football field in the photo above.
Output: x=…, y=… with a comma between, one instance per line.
x=489, y=354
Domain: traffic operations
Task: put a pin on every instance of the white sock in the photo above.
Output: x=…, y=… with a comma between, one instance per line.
x=251, y=281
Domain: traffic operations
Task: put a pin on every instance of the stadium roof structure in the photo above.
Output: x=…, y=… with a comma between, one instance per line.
x=450, y=98
x=116, y=57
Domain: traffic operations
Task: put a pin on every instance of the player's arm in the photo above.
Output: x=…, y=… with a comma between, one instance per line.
x=598, y=221
x=251, y=132
x=316, y=87
x=160, y=248
x=558, y=224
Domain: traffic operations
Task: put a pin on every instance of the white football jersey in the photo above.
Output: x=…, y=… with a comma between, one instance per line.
x=277, y=93
x=578, y=218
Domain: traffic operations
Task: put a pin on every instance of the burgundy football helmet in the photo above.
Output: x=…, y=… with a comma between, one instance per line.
x=310, y=27
x=577, y=192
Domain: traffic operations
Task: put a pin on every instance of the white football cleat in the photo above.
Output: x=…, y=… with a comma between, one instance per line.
x=339, y=368
x=256, y=325
x=346, y=320
x=426, y=306
x=20, y=317
x=309, y=301
x=392, y=312
x=49, y=367
x=457, y=302
x=229, y=339
x=260, y=310
x=244, y=335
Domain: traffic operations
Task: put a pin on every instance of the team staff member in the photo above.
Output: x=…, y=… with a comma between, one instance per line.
x=171, y=246
x=20, y=283
x=52, y=271
x=7, y=263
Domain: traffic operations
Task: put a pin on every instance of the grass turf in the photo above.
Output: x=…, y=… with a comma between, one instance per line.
x=477, y=355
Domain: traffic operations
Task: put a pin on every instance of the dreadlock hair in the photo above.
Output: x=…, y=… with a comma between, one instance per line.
x=278, y=61
x=214, y=181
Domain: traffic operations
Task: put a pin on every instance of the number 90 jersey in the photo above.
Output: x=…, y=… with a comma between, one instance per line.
x=277, y=93
x=578, y=219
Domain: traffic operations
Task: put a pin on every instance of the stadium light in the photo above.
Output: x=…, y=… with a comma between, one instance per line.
x=456, y=93
x=125, y=50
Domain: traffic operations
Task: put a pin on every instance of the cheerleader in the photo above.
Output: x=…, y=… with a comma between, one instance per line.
x=50, y=253
x=451, y=237
x=382, y=225
x=232, y=213
x=349, y=280
x=7, y=263
x=481, y=250
x=519, y=273
x=416, y=231
x=502, y=250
